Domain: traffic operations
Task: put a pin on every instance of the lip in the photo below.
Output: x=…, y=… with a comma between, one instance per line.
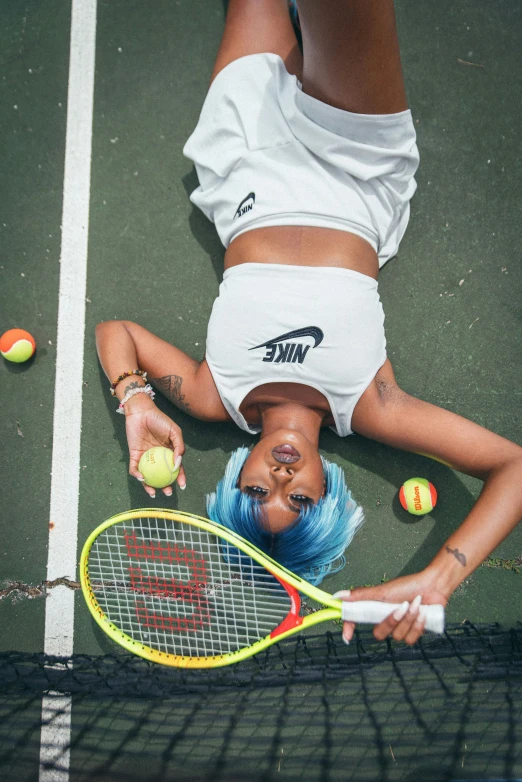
x=285, y=454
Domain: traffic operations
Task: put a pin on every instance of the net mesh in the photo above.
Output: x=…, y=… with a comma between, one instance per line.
x=181, y=590
x=308, y=708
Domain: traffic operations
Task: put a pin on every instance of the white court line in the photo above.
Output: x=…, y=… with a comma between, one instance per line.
x=59, y=606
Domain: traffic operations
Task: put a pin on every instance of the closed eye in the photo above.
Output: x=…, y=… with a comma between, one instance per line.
x=255, y=491
x=297, y=501
x=301, y=501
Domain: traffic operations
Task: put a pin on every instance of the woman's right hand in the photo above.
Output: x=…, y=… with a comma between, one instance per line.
x=147, y=427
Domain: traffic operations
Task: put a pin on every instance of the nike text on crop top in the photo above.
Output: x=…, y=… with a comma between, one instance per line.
x=319, y=326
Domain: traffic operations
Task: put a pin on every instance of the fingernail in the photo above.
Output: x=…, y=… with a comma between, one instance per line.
x=168, y=492
x=345, y=641
x=414, y=606
x=177, y=463
x=400, y=612
x=183, y=487
x=341, y=594
x=139, y=479
x=152, y=496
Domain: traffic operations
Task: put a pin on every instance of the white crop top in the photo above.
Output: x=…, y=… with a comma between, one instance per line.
x=268, y=154
x=319, y=326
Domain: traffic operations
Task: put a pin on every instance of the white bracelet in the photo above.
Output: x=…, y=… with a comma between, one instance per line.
x=140, y=390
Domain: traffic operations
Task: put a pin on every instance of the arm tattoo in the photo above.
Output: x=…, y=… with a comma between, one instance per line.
x=170, y=386
x=459, y=556
x=134, y=384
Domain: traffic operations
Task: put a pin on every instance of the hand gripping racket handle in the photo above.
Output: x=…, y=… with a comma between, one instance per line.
x=374, y=611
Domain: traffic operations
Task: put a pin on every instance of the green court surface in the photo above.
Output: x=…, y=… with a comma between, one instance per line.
x=451, y=297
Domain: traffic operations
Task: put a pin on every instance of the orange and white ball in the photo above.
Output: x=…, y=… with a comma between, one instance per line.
x=418, y=496
x=17, y=345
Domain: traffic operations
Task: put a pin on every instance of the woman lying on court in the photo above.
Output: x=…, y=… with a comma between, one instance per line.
x=306, y=166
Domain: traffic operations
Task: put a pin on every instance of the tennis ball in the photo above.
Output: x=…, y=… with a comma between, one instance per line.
x=157, y=467
x=418, y=496
x=17, y=345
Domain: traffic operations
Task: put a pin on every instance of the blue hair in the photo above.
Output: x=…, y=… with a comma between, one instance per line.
x=313, y=546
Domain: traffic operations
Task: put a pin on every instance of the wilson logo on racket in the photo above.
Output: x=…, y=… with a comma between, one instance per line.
x=189, y=591
x=180, y=590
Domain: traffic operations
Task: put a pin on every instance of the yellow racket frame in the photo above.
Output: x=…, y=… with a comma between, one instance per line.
x=333, y=611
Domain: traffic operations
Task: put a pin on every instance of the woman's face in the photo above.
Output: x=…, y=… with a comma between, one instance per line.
x=284, y=472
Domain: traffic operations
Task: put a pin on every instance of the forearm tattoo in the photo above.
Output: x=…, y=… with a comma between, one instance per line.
x=459, y=556
x=170, y=387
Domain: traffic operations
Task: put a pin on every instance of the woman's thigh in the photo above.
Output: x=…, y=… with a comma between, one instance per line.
x=351, y=55
x=255, y=27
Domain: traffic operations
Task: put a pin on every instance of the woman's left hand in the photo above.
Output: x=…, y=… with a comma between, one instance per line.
x=148, y=427
x=407, y=627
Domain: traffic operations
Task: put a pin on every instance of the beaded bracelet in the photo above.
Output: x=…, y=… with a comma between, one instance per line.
x=127, y=374
x=140, y=390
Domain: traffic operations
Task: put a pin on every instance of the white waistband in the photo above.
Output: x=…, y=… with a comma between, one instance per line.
x=281, y=270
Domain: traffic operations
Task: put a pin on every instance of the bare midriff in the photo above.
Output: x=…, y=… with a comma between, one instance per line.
x=303, y=246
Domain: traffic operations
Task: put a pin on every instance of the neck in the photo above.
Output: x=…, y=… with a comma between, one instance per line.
x=290, y=415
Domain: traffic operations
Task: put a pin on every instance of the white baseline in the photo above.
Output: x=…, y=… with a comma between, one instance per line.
x=59, y=608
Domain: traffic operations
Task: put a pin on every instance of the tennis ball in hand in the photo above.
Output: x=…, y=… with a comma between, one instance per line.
x=17, y=345
x=418, y=496
x=157, y=467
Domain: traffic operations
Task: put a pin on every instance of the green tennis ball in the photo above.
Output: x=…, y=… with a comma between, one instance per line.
x=157, y=467
x=17, y=345
x=418, y=496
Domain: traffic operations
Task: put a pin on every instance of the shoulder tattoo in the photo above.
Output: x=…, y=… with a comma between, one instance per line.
x=388, y=391
x=170, y=387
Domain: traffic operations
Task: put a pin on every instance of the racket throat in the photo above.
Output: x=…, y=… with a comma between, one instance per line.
x=293, y=618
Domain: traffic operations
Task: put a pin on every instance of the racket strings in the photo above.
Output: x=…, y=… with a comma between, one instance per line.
x=182, y=590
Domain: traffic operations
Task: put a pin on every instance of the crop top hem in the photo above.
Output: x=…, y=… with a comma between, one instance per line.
x=309, y=221
x=240, y=420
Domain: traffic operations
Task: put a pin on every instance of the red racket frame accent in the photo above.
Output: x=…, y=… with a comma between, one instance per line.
x=292, y=619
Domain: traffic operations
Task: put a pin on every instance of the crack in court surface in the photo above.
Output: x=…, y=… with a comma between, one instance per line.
x=18, y=590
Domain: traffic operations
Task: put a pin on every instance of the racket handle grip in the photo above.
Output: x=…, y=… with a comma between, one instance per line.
x=374, y=611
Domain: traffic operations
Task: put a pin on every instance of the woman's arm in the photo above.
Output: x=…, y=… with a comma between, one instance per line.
x=187, y=383
x=124, y=346
x=387, y=414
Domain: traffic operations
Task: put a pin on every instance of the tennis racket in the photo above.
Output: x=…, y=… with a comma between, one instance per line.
x=183, y=591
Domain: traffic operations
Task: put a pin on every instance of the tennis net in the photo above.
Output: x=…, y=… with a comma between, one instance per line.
x=309, y=708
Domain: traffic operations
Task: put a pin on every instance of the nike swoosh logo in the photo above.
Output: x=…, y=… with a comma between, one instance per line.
x=249, y=196
x=308, y=331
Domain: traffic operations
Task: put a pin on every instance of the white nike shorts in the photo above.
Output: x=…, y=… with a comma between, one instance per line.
x=268, y=154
